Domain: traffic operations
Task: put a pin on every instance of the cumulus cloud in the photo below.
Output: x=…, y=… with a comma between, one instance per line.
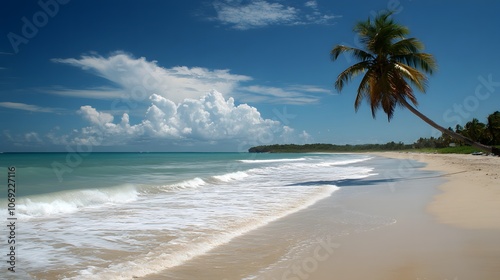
x=209, y=118
x=94, y=117
x=244, y=15
x=177, y=104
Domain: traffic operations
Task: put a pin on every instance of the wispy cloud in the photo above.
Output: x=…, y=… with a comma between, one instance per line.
x=138, y=78
x=255, y=14
x=104, y=93
x=244, y=15
x=30, y=108
x=311, y=4
x=182, y=104
x=295, y=95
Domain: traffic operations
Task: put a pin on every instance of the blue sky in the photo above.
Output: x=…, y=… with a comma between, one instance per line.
x=224, y=75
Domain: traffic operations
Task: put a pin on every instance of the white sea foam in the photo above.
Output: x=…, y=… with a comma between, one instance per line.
x=271, y=160
x=231, y=176
x=343, y=162
x=158, y=260
x=71, y=201
x=187, y=184
x=195, y=214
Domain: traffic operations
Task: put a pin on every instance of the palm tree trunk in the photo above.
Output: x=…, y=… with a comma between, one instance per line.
x=451, y=133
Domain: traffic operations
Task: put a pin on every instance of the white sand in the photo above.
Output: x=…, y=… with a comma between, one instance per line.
x=471, y=197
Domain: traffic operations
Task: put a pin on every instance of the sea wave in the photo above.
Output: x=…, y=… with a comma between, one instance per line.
x=343, y=162
x=233, y=176
x=157, y=260
x=191, y=183
x=272, y=160
x=72, y=201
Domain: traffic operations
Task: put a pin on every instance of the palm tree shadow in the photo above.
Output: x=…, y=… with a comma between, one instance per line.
x=346, y=182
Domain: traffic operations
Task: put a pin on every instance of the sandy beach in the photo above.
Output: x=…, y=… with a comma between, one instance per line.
x=451, y=233
x=463, y=239
x=423, y=217
x=471, y=196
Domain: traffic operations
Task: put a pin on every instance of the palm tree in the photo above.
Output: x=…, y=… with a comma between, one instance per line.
x=475, y=130
x=494, y=127
x=390, y=63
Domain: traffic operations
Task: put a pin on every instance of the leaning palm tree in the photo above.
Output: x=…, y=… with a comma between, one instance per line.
x=391, y=64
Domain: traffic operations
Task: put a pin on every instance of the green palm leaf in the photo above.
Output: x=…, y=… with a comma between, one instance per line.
x=391, y=64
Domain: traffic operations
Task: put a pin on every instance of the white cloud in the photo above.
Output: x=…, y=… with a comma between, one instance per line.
x=254, y=14
x=209, y=118
x=290, y=95
x=305, y=137
x=93, y=93
x=138, y=78
x=32, y=137
x=94, y=117
x=311, y=4
x=28, y=107
x=178, y=105
x=244, y=15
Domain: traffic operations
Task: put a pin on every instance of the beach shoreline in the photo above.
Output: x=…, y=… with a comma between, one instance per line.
x=470, y=198
x=449, y=230
x=382, y=227
x=405, y=221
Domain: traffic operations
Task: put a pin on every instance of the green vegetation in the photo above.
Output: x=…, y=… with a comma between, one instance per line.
x=485, y=133
x=330, y=148
x=309, y=148
x=391, y=65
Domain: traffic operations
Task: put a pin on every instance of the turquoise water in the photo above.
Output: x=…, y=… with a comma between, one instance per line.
x=120, y=215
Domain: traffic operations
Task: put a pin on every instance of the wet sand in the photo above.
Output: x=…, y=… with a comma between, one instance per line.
x=471, y=196
x=395, y=225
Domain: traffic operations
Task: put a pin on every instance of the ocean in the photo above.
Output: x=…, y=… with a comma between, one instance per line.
x=130, y=215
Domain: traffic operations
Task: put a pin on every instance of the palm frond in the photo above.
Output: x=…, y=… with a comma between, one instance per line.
x=402, y=90
x=392, y=65
x=417, y=78
x=363, y=89
x=406, y=46
x=423, y=61
x=350, y=73
x=355, y=52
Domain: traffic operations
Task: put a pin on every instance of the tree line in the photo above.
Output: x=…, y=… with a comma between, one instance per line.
x=319, y=147
x=485, y=133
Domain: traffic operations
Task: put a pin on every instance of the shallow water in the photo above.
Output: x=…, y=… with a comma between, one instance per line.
x=119, y=216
